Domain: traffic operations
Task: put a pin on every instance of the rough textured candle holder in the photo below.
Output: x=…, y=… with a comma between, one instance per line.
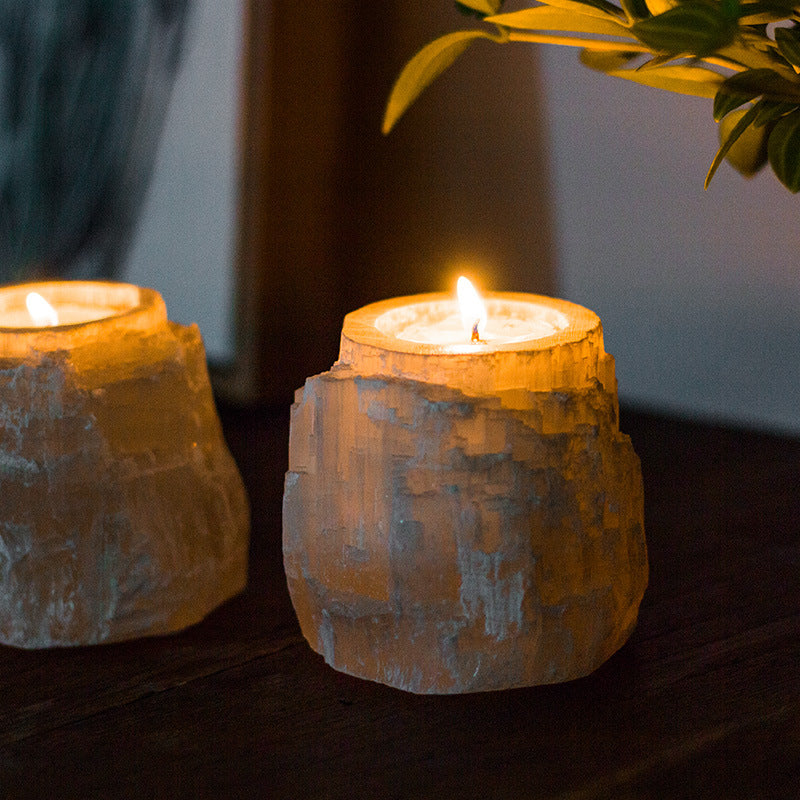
x=122, y=513
x=464, y=519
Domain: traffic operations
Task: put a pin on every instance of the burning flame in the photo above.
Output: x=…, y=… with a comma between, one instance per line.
x=41, y=312
x=473, y=309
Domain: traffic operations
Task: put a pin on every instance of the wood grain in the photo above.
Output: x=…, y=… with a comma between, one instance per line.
x=702, y=702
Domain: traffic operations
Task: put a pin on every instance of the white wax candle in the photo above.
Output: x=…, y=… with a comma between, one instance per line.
x=74, y=303
x=68, y=314
x=439, y=322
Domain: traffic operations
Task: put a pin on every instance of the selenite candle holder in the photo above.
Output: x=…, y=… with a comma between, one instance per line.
x=464, y=517
x=122, y=513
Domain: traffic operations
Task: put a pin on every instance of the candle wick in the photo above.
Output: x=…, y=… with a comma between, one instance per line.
x=475, y=335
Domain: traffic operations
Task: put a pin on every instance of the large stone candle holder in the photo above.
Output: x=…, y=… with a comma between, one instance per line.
x=122, y=513
x=464, y=517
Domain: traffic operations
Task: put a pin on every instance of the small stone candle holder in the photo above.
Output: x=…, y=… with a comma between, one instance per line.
x=463, y=517
x=122, y=513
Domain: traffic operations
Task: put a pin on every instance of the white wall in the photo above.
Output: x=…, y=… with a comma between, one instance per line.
x=699, y=292
x=185, y=242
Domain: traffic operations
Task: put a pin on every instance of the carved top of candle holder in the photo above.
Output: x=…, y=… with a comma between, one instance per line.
x=91, y=308
x=569, y=352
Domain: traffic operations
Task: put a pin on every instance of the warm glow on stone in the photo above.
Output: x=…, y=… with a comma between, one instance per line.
x=464, y=517
x=122, y=513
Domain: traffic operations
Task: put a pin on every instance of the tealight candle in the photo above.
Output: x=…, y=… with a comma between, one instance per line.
x=122, y=513
x=532, y=342
x=469, y=324
x=60, y=315
x=461, y=512
x=65, y=309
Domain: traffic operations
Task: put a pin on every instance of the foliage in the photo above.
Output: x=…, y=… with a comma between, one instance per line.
x=743, y=54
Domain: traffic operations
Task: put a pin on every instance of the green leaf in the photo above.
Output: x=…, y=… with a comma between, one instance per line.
x=770, y=110
x=607, y=61
x=762, y=11
x=679, y=78
x=424, y=67
x=660, y=6
x=482, y=7
x=726, y=101
x=548, y=18
x=761, y=14
x=730, y=9
x=656, y=61
x=764, y=82
x=738, y=129
x=591, y=8
x=748, y=153
x=783, y=149
x=744, y=50
x=635, y=9
x=692, y=27
x=788, y=41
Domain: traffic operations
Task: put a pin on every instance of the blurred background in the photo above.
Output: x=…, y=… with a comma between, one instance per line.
x=274, y=205
x=84, y=88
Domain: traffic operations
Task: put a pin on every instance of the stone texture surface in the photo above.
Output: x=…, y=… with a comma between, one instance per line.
x=440, y=542
x=122, y=513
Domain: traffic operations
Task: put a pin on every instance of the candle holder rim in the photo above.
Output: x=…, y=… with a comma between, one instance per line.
x=360, y=325
x=147, y=300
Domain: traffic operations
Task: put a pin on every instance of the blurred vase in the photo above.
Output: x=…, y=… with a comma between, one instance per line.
x=84, y=88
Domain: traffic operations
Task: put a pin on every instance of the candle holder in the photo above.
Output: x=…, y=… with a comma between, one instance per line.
x=464, y=517
x=122, y=513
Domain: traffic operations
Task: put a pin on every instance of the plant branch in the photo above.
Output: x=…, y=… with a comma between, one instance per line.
x=724, y=63
x=611, y=45
x=578, y=41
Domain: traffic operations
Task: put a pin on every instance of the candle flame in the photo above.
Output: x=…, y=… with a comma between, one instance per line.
x=473, y=309
x=41, y=312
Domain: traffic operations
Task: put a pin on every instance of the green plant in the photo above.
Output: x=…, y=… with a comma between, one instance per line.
x=743, y=54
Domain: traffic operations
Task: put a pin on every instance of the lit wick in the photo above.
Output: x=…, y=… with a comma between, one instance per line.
x=475, y=335
x=473, y=309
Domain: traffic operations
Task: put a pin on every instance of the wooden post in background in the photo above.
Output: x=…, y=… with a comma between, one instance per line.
x=335, y=215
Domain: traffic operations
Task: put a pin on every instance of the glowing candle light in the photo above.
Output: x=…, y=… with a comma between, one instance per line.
x=126, y=512
x=440, y=320
x=461, y=512
x=29, y=309
x=472, y=308
x=41, y=312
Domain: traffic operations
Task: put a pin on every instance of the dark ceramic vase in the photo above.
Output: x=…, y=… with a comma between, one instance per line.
x=84, y=87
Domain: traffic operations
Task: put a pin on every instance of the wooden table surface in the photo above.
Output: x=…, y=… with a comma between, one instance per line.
x=703, y=701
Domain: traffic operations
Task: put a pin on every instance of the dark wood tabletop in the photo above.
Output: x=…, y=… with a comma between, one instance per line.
x=702, y=702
